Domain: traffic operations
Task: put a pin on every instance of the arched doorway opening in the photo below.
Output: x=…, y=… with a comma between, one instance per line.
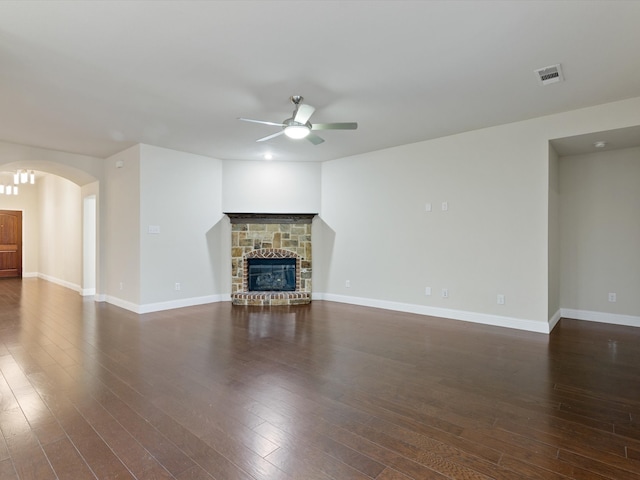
x=60, y=224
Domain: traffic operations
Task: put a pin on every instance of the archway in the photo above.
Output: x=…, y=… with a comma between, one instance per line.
x=60, y=231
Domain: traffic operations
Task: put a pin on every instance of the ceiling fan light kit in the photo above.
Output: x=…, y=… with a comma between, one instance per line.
x=297, y=131
x=298, y=126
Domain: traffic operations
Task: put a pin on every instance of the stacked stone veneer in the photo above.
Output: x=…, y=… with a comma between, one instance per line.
x=270, y=240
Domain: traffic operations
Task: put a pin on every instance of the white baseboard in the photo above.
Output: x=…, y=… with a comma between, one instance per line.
x=134, y=307
x=474, y=317
x=161, y=306
x=483, y=318
x=118, y=302
x=58, y=281
x=601, y=317
x=183, y=302
x=553, y=321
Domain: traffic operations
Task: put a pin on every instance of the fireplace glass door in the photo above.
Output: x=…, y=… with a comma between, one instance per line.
x=271, y=274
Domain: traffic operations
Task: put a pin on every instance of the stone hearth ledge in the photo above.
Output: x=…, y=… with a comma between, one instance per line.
x=270, y=298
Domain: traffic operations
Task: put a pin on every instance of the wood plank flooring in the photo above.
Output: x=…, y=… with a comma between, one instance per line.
x=313, y=392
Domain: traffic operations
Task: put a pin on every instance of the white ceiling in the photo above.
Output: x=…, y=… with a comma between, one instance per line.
x=95, y=77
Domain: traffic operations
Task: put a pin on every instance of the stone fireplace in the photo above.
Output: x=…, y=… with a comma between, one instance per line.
x=270, y=258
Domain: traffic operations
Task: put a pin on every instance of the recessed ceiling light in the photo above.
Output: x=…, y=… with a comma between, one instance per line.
x=268, y=156
x=600, y=144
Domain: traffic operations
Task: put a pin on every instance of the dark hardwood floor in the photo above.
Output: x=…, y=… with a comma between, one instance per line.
x=313, y=392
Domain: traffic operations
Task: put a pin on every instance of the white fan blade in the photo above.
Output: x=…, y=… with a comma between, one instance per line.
x=335, y=126
x=303, y=113
x=261, y=121
x=269, y=137
x=315, y=139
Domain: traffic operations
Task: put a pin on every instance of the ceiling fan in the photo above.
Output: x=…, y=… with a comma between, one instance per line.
x=298, y=126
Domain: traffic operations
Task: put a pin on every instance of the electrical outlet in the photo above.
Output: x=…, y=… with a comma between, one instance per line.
x=445, y=293
x=427, y=291
x=177, y=286
x=500, y=299
x=121, y=286
x=445, y=206
x=612, y=297
x=427, y=207
x=347, y=283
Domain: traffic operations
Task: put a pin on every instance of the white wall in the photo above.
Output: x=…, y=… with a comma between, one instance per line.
x=271, y=187
x=181, y=196
x=600, y=232
x=121, y=222
x=390, y=248
x=89, y=244
x=494, y=238
x=93, y=275
x=554, y=237
x=60, y=240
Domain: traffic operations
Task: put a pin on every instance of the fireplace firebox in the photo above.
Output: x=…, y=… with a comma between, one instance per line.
x=271, y=274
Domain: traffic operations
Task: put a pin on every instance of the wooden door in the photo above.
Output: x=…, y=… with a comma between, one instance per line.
x=10, y=243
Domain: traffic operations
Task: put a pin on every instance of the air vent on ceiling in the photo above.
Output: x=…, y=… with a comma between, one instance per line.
x=550, y=74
